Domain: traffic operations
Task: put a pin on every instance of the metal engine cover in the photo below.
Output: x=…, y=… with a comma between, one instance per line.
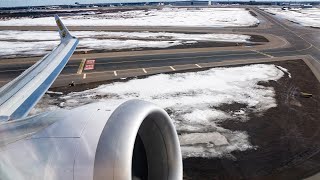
x=92, y=142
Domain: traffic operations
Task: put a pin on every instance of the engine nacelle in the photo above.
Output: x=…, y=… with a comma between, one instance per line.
x=137, y=140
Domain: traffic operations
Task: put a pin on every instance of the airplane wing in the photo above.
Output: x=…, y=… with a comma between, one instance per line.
x=20, y=95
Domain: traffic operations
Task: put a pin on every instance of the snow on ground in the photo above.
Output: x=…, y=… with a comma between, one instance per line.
x=9, y=49
x=40, y=42
x=204, y=17
x=192, y=99
x=306, y=17
x=52, y=35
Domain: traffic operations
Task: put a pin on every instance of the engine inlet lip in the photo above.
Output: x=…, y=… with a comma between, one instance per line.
x=113, y=158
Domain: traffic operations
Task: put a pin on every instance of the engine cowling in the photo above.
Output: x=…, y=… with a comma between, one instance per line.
x=137, y=140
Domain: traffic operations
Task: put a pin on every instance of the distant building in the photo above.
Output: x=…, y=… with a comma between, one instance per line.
x=306, y=6
x=191, y=3
x=290, y=6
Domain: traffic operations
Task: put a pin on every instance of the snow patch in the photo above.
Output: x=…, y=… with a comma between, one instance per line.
x=284, y=70
x=41, y=42
x=203, y=116
x=26, y=48
x=213, y=138
x=305, y=17
x=52, y=92
x=192, y=100
x=201, y=17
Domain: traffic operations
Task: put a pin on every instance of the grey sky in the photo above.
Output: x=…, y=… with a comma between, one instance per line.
x=12, y=3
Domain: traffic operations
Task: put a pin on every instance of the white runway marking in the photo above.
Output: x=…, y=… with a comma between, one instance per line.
x=144, y=70
x=115, y=73
x=198, y=65
x=172, y=68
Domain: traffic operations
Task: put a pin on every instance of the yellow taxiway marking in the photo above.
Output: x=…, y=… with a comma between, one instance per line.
x=84, y=75
x=173, y=69
x=263, y=53
x=144, y=70
x=80, y=69
x=115, y=73
x=198, y=65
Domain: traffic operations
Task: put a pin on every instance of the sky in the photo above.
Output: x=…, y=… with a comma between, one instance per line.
x=13, y=3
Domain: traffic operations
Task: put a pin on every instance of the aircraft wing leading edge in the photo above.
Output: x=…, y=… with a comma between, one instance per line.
x=20, y=95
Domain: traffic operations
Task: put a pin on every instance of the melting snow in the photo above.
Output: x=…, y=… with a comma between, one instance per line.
x=40, y=42
x=192, y=100
x=305, y=17
x=205, y=17
x=284, y=70
x=206, y=138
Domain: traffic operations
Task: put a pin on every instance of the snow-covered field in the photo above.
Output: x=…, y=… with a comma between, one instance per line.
x=204, y=17
x=14, y=43
x=305, y=17
x=192, y=99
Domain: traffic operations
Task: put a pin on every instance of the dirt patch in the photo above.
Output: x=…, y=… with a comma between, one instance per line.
x=287, y=136
x=253, y=13
x=257, y=38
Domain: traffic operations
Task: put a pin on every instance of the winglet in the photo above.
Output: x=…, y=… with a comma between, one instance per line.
x=63, y=31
